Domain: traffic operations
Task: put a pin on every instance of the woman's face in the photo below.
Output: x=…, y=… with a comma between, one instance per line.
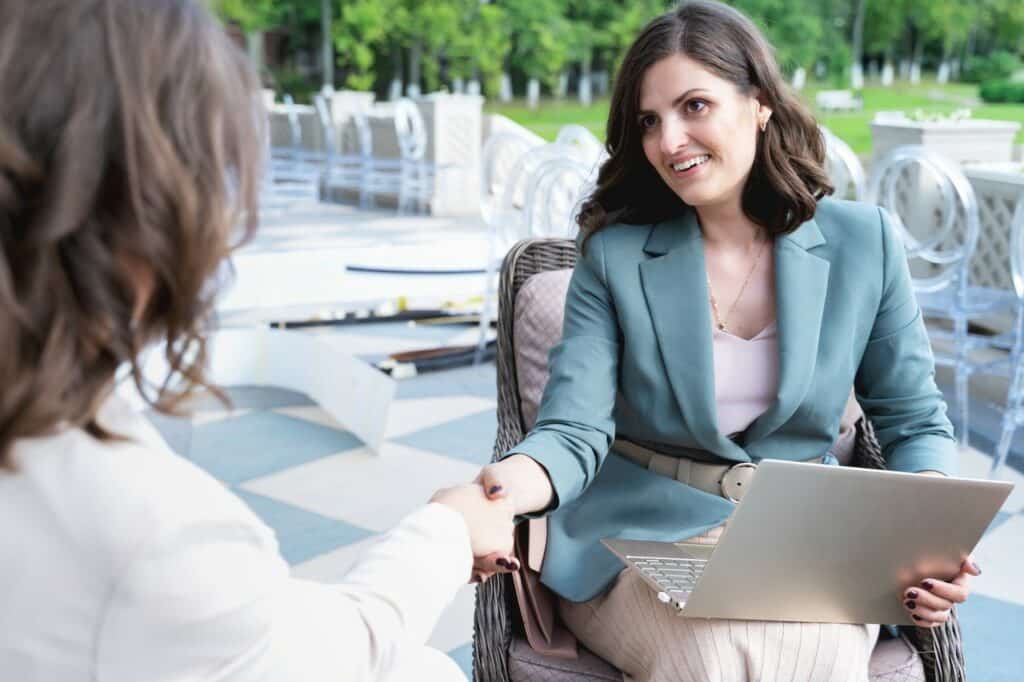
x=699, y=131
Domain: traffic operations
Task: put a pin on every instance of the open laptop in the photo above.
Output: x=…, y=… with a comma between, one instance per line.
x=822, y=544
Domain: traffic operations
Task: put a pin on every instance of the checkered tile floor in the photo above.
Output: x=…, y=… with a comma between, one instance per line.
x=326, y=496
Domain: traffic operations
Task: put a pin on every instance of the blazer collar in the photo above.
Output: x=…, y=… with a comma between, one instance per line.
x=674, y=282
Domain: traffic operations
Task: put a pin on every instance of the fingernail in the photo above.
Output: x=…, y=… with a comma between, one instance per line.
x=927, y=584
x=910, y=604
x=476, y=578
x=494, y=490
x=514, y=565
x=502, y=562
x=912, y=594
x=977, y=569
x=916, y=617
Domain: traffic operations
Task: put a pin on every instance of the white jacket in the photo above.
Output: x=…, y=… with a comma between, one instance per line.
x=122, y=562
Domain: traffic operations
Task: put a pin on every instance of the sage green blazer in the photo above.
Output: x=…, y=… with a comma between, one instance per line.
x=636, y=360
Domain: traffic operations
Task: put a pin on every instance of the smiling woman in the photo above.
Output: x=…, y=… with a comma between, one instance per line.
x=713, y=78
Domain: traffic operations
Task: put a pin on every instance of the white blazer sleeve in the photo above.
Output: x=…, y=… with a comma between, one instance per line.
x=212, y=600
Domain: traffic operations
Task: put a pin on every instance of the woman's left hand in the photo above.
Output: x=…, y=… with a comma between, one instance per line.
x=929, y=602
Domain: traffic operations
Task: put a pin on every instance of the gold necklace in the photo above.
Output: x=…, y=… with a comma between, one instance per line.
x=720, y=322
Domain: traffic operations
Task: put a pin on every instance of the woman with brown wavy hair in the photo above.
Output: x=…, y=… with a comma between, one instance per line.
x=721, y=312
x=130, y=138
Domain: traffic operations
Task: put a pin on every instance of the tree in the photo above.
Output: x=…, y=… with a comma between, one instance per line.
x=360, y=29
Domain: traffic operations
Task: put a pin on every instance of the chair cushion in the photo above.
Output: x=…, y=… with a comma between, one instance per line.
x=526, y=665
x=536, y=328
x=894, y=660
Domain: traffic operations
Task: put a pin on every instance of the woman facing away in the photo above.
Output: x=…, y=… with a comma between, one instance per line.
x=721, y=311
x=129, y=145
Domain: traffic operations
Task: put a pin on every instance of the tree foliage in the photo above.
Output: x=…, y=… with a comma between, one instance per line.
x=442, y=40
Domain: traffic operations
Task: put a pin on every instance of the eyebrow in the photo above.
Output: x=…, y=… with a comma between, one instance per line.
x=676, y=102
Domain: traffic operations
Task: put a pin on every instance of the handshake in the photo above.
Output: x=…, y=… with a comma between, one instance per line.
x=490, y=524
x=489, y=507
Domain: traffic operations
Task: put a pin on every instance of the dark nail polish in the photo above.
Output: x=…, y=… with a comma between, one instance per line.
x=912, y=594
x=502, y=562
x=494, y=490
x=927, y=584
x=910, y=604
x=514, y=566
x=977, y=568
x=916, y=617
x=476, y=578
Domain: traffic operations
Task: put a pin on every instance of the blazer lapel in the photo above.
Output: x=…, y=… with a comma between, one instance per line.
x=674, y=283
x=801, y=284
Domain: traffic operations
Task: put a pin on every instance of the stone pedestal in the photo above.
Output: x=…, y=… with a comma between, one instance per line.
x=454, y=143
x=971, y=140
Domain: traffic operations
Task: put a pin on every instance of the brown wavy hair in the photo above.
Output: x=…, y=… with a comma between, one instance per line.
x=129, y=163
x=788, y=176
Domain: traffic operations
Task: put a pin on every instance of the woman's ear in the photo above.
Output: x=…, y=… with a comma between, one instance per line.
x=764, y=112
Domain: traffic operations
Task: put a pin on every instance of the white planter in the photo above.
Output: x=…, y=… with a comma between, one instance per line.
x=971, y=140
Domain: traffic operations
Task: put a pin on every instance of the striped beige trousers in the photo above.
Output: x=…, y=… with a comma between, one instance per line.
x=649, y=642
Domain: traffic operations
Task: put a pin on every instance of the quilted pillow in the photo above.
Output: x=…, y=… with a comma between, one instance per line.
x=537, y=327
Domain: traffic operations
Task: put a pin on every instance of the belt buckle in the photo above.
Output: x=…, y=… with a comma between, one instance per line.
x=732, y=481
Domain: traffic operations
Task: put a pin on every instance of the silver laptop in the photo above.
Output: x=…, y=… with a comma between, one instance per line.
x=822, y=544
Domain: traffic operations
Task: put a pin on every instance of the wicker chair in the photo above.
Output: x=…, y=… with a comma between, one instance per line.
x=500, y=651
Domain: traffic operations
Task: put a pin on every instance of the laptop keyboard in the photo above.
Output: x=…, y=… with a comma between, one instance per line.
x=672, y=574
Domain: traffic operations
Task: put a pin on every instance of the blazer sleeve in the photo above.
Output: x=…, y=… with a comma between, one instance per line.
x=575, y=427
x=895, y=382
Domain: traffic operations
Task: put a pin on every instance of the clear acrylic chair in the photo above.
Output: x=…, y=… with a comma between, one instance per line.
x=553, y=197
x=416, y=174
x=498, y=159
x=1013, y=342
x=509, y=223
x=590, y=150
x=935, y=208
x=844, y=168
x=297, y=165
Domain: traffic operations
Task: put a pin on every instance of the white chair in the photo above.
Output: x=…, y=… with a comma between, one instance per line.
x=296, y=165
x=844, y=168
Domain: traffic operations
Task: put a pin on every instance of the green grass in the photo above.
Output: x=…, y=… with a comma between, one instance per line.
x=854, y=127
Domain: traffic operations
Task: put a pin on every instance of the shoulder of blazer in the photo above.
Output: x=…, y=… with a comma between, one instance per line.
x=849, y=224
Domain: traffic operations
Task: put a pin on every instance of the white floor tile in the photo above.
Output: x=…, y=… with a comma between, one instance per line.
x=456, y=625
x=332, y=567
x=409, y=416
x=1001, y=558
x=367, y=490
x=974, y=464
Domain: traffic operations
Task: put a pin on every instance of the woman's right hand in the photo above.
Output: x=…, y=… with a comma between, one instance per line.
x=522, y=480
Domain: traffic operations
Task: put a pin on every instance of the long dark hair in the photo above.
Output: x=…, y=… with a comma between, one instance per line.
x=788, y=176
x=129, y=151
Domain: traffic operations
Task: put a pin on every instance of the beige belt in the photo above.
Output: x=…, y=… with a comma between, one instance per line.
x=728, y=480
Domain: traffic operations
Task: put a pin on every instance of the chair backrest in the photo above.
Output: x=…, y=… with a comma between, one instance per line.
x=553, y=197
x=590, y=148
x=523, y=260
x=844, y=168
x=410, y=129
x=935, y=208
x=499, y=157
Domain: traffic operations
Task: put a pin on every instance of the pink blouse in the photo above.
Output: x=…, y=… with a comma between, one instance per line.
x=746, y=377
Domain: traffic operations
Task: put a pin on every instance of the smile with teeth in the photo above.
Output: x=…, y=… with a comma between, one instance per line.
x=691, y=163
